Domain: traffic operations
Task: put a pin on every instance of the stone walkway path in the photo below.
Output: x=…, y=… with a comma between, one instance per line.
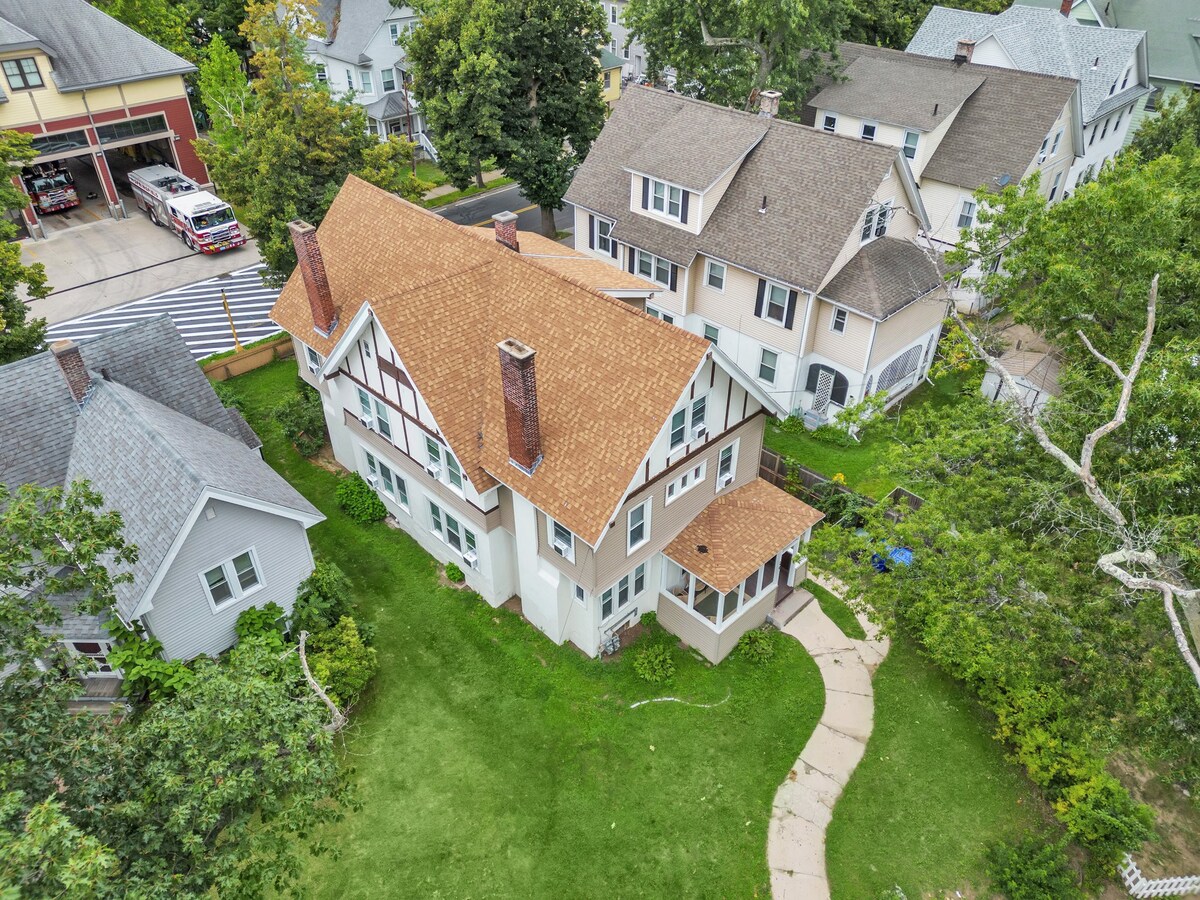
x=804, y=802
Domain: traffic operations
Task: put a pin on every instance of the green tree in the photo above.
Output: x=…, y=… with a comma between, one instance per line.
x=1177, y=121
x=460, y=75
x=226, y=92
x=724, y=50
x=892, y=23
x=20, y=336
x=44, y=854
x=209, y=19
x=163, y=21
x=297, y=143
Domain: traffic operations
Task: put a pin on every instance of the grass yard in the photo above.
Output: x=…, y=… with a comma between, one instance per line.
x=493, y=763
x=932, y=792
x=837, y=610
x=862, y=463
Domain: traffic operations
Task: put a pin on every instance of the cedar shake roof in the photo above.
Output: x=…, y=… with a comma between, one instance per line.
x=608, y=376
x=1000, y=127
x=595, y=273
x=817, y=185
x=740, y=531
x=884, y=277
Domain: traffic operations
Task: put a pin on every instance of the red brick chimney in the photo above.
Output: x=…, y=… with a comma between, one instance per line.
x=519, y=383
x=506, y=230
x=1065, y=9
x=316, y=282
x=70, y=361
x=964, y=50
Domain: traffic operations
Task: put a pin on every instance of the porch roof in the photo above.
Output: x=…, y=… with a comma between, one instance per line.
x=739, y=531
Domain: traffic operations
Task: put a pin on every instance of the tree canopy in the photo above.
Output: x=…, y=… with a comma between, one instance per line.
x=20, y=336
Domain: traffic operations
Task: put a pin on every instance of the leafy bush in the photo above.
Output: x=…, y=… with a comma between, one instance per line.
x=303, y=420
x=1102, y=816
x=831, y=434
x=756, y=646
x=322, y=598
x=359, y=500
x=146, y=673
x=654, y=663
x=649, y=619
x=228, y=395
x=895, y=892
x=454, y=574
x=261, y=623
x=341, y=662
x=1033, y=868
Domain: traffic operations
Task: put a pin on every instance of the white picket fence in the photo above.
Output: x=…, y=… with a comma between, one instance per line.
x=1140, y=886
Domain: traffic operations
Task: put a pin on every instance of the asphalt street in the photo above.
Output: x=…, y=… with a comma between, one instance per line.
x=478, y=210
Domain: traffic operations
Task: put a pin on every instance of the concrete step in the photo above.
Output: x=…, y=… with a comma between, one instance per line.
x=790, y=607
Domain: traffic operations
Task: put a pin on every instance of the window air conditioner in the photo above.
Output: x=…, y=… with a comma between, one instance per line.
x=434, y=470
x=699, y=431
x=314, y=368
x=367, y=422
x=373, y=480
x=561, y=548
x=725, y=480
x=471, y=558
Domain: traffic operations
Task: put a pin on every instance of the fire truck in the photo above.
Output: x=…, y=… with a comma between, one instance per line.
x=51, y=187
x=202, y=220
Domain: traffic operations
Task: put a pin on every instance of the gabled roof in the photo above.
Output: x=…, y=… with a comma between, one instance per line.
x=885, y=89
x=1172, y=31
x=816, y=185
x=883, y=277
x=90, y=49
x=575, y=264
x=608, y=376
x=610, y=60
x=1001, y=125
x=153, y=464
x=349, y=27
x=150, y=357
x=1039, y=40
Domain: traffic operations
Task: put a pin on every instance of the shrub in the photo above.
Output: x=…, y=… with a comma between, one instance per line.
x=654, y=663
x=1033, y=868
x=341, y=662
x=756, y=646
x=303, y=421
x=322, y=598
x=146, y=673
x=359, y=500
x=895, y=892
x=1104, y=818
x=228, y=395
x=454, y=574
x=831, y=434
x=261, y=623
x=649, y=619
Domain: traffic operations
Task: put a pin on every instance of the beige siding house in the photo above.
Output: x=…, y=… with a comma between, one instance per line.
x=793, y=275
x=521, y=417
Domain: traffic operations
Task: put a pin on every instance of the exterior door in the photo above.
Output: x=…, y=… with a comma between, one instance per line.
x=784, y=586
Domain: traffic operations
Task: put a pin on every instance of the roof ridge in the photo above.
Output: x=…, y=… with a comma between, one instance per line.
x=943, y=62
x=115, y=390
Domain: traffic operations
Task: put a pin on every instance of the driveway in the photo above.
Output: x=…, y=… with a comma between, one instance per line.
x=101, y=264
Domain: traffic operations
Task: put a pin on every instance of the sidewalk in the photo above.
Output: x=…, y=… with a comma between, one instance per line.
x=443, y=189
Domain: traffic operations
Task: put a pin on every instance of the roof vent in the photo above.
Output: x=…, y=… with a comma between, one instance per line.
x=763, y=208
x=702, y=548
x=935, y=108
x=1096, y=64
x=1004, y=180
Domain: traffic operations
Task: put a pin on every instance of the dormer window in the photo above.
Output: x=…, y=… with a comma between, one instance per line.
x=911, y=139
x=666, y=199
x=829, y=123
x=23, y=74
x=868, y=131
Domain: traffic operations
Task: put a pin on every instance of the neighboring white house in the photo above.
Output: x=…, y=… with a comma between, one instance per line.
x=361, y=55
x=793, y=251
x=1110, y=65
x=217, y=529
x=1034, y=371
x=554, y=442
x=619, y=41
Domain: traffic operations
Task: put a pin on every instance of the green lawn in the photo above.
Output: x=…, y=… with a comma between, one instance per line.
x=494, y=764
x=837, y=610
x=932, y=791
x=861, y=462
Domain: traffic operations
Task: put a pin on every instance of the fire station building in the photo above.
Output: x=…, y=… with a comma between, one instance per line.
x=96, y=95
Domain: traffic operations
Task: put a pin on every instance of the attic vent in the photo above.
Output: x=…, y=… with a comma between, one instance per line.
x=702, y=548
x=1004, y=180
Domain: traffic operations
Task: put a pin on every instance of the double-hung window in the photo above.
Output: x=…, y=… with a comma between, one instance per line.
x=666, y=199
x=639, y=526
x=868, y=131
x=966, y=215
x=433, y=454
x=322, y=74
x=1125, y=80
x=837, y=324
x=1057, y=140
x=768, y=364
x=389, y=79
x=232, y=580
x=349, y=79
x=373, y=413
x=314, y=359
x=829, y=123
x=659, y=314
x=875, y=221
x=562, y=541
x=911, y=139
x=775, y=303
x=699, y=413
x=368, y=86
x=612, y=14
x=1055, y=186
x=654, y=267
x=712, y=334
x=381, y=419
x=23, y=74
x=394, y=30
x=714, y=275
x=679, y=428
x=1042, y=150
x=725, y=467
x=454, y=472
x=604, y=239
x=681, y=432
x=1104, y=133
x=618, y=596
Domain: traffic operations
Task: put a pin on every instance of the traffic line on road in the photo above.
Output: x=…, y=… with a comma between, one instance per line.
x=488, y=220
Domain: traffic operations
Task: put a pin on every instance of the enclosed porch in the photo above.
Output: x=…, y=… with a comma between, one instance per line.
x=724, y=573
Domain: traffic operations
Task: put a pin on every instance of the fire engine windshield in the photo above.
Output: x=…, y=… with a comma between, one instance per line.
x=51, y=183
x=204, y=221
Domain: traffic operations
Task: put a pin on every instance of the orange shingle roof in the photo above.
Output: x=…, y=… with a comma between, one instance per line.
x=608, y=376
x=740, y=531
x=575, y=264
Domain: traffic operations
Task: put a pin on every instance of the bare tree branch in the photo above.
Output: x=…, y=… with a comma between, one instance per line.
x=338, y=718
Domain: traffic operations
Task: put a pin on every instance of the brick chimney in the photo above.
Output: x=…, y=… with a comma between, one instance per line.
x=768, y=103
x=964, y=50
x=316, y=282
x=519, y=383
x=1065, y=8
x=70, y=361
x=506, y=230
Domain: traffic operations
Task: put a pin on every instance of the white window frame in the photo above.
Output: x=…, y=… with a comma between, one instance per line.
x=366, y=81
x=876, y=220
x=350, y=79
x=322, y=74
x=384, y=76
x=916, y=142
x=579, y=593
x=732, y=450
x=434, y=457
x=551, y=527
x=774, y=367
x=669, y=195
x=1054, y=187
x=612, y=14
x=693, y=476
x=1042, y=154
x=659, y=314
x=314, y=359
x=770, y=299
x=383, y=423
x=838, y=320
x=604, y=241
x=710, y=270
x=655, y=265
x=862, y=131
x=681, y=429
x=627, y=585
x=644, y=509
x=712, y=334
x=829, y=122
x=229, y=573
x=963, y=206
x=395, y=30
x=454, y=473
x=1054, y=146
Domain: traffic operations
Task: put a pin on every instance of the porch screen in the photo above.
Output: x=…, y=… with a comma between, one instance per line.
x=900, y=367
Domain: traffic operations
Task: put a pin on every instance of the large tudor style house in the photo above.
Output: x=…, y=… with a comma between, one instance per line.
x=792, y=251
x=553, y=441
x=217, y=530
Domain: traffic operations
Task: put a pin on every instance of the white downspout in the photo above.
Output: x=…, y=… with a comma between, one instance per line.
x=808, y=308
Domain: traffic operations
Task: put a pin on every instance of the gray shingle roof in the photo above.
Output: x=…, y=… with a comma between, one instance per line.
x=90, y=49
x=1038, y=40
x=817, y=186
x=883, y=277
x=152, y=464
x=888, y=90
x=349, y=27
x=1001, y=125
x=14, y=37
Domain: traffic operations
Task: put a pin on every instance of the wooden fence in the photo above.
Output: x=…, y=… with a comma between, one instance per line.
x=1140, y=886
x=803, y=482
x=251, y=358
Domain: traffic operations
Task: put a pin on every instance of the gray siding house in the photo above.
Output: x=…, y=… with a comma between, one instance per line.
x=217, y=530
